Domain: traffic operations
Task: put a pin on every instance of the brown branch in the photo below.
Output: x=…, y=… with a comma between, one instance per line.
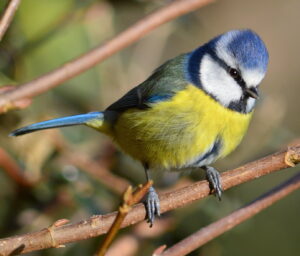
x=100, y=53
x=98, y=170
x=129, y=199
x=100, y=224
x=8, y=16
x=219, y=227
x=12, y=169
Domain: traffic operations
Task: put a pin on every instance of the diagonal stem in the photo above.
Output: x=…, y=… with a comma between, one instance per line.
x=8, y=15
x=219, y=227
x=100, y=224
x=129, y=198
x=100, y=53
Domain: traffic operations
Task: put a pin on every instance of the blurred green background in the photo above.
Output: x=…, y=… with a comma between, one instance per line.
x=76, y=172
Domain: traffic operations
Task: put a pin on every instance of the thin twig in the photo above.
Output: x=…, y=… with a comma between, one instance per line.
x=219, y=227
x=100, y=53
x=129, y=198
x=100, y=224
x=12, y=169
x=100, y=170
x=97, y=170
x=8, y=16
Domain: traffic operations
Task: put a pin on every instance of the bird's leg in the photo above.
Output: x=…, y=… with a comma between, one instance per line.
x=152, y=204
x=213, y=177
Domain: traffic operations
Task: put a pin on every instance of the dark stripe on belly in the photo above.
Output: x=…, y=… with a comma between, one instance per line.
x=215, y=150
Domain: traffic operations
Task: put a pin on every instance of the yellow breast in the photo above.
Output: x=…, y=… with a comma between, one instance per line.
x=172, y=133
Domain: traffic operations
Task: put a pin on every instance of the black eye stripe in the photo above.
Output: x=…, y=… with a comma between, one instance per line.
x=236, y=75
x=240, y=81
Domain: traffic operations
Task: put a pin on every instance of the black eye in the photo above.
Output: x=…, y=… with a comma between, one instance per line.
x=235, y=74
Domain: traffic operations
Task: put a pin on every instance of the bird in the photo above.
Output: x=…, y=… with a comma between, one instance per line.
x=191, y=111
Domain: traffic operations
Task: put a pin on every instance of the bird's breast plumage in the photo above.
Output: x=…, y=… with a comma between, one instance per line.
x=177, y=132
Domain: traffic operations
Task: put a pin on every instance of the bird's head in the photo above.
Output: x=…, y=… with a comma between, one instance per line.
x=229, y=68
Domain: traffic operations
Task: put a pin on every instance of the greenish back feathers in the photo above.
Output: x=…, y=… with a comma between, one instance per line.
x=161, y=85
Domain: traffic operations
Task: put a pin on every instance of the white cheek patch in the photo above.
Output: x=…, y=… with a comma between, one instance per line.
x=252, y=78
x=217, y=82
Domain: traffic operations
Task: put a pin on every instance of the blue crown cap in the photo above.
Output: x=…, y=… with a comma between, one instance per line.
x=247, y=48
x=244, y=45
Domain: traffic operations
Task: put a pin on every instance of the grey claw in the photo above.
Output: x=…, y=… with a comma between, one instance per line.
x=152, y=206
x=214, y=178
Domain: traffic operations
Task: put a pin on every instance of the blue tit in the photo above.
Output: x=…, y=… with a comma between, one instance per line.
x=193, y=110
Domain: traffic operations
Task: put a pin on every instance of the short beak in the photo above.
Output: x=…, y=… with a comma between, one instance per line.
x=252, y=92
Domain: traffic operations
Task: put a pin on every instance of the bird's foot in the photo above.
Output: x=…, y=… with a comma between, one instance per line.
x=152, y=205
x=214, y=179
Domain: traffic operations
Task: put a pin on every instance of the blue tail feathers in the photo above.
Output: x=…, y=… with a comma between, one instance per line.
x=59, y=122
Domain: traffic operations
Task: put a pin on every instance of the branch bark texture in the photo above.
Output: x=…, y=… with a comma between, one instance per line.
x=100, y=224
x=100, y=53
x=219, y=227
x=129, y=198
x=8, y=15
